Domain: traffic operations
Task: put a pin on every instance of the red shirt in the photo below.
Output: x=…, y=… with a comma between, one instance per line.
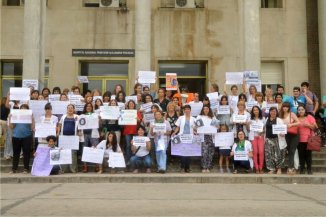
x=131, y=129
x=305, y=132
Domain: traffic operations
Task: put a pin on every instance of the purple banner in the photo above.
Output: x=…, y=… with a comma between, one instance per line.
x=41, y=164
x=186, y=150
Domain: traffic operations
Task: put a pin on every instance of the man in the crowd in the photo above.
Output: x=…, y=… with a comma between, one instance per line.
x=280, y=90
x=297, y=99
x=313, y=107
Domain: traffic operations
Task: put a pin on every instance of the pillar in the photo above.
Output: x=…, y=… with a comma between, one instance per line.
x=34, y=34
x=142, y=35
x=322, y=44
x=249, y=28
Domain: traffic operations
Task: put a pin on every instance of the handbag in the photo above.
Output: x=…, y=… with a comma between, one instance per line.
x=314, y=141
x=292, y=130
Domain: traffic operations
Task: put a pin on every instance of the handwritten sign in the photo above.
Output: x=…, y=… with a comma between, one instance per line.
x=149, y=118
x=116, y=160
x=241, y=156
x=88, y=122
x=22, y=116
x=42, y=130
x=159, y=128
x=223, y=110
x=270, y=105
x=128, y=117
x=20, y=93
x=224, y=139
x=59, y=107
x=186, y=150
x=54, y=97
x=196, y=108
x=139, y=141
x=109, y=112
x=147, y=77
x=279, y=129
x=30, y=83
x=37, y=106
x=93, y=155
x=234, y=77
x=239, y=118
x=146, y=107
x=133, y=98
x=82, y=79
x=257, y=126
x=69, y=142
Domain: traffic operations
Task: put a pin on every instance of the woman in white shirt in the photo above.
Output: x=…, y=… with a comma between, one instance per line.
x=185, y=125
x=245, y=147
x=240, y=119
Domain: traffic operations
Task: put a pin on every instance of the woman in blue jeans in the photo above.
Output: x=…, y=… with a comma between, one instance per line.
x=141, y=152
x=22, y=138
x=161, y=131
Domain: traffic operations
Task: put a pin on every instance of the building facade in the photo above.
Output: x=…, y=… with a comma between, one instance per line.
x=285, y=40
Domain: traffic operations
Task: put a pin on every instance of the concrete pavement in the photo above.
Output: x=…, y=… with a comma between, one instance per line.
x=162, y=199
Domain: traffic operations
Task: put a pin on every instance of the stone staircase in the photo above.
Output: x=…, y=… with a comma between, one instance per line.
x=318, y=164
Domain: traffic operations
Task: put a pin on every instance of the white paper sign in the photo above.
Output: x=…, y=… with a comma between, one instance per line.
x=54, y=97
x=213, y=95
x=83, y=79
x=30, y=83
x=75, y=99
x=110, y=112
x=139, y=141
x=184, y=138
x=196, y=108
x=88, y=122
x=128, y=117
x=251, y=74
x=270, y=105
x=279, y=129
x=97, y=97
x=149, y=117
x=214, y=104
x=224, y=139
x=79, y=107
x=241, y=156
x=22, y=116
x=223, y=110
x=58, y=157
x=43, y=130
x=159, y=128
x=254, y=82
x=93, y=155
x=234, y=77
x=146, y=107
x=251, y=104
x=116, y=160
x=257, y=126
x=20, y=93
x=69, y=142
x=239, y=118
x=121, y=105
x=147, y=77
x=133, y=98
x=59, y=107
x=37, y=106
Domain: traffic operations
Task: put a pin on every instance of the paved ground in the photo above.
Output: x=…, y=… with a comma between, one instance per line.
x=148, y=199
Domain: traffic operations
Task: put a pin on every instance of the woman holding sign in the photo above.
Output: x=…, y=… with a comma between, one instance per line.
x=112, y=125
x=185, y=125
x=210, y=123
x=292, y=137
x=242, y=153
x=240, y=119
x=22, y=138
x=161, y=130
x=91, y=134
x=256, y=136
x=275, y=144
x=68, y=127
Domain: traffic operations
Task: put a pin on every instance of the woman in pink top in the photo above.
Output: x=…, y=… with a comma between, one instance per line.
x=306, y=126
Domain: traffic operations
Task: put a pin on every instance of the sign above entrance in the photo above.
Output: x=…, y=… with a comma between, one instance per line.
x=103, y=52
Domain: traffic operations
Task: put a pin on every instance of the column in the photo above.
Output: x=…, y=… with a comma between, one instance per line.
x=249, y=28
x=322, y=44
x=142, y=35
x=34, y=34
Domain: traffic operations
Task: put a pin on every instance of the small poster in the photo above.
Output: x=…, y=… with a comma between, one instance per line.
x=171, y=81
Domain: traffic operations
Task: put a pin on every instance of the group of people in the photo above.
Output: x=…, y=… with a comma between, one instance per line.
x=251, y=117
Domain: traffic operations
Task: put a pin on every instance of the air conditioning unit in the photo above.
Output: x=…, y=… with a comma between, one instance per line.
x=109, y=3
x=185, y=4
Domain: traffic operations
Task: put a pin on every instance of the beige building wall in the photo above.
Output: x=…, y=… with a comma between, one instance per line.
x=210, y=34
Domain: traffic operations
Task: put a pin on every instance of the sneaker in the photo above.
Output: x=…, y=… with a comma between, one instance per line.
x=221, y=170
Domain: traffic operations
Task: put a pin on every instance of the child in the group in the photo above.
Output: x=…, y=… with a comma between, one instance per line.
x=141, y=153
x=224, y=152
x=109, y=145
x=245, y=146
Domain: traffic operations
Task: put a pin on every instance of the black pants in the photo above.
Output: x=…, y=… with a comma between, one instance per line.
x=304, y=156
x=292, y=141
x=241, y=164
x=17, y=144
x=185, y=163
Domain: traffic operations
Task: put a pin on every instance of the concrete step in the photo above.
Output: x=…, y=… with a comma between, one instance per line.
x=167, y=178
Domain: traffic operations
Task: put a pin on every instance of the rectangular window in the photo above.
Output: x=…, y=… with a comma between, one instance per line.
x=271, y=3
x=272, y=74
